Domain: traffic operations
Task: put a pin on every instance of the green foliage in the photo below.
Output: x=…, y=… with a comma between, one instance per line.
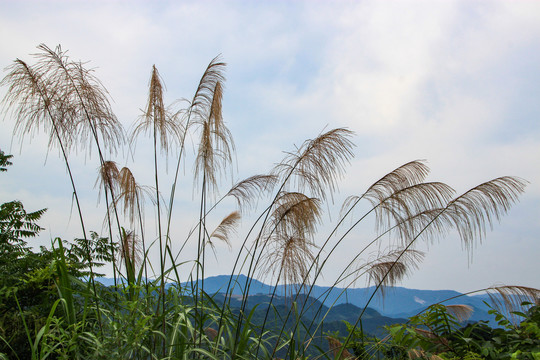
x=436, y=332
x=82, y=254
x=29, y=282
x=27, y=291
x=16, y=224
x=26, y=279
x=363, y=345
x=4, y=161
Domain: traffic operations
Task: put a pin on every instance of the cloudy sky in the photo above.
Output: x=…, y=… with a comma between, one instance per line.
x=453, y=82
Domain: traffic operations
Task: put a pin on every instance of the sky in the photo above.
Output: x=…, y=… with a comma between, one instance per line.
x=454, y=82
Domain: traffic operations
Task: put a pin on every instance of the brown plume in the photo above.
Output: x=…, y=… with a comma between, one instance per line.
x=108, y=178
x=336, y=347
x=318, y=163
x=131, y=195
x=224, y=229
x=388, y=269
x=251, y=188
x=82, y=99
x=460, y=312
x=157, y=119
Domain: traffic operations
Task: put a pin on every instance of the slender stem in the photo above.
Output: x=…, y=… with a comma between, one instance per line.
x=173, y=188
x=251, y=269
x=75, y=194
x=143, y=241
x=161, y=254
x=390, y=269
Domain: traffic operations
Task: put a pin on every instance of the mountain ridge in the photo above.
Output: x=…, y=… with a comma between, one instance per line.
x=398, y=302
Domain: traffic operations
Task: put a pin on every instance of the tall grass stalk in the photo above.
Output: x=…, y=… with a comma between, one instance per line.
x=34, y=96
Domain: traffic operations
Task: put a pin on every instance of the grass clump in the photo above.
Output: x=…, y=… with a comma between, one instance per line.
x=162, y=311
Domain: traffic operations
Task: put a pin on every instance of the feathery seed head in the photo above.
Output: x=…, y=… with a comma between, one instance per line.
x=318, y=163
x=108, y=177
x=251, y=188
x=460, y=312
x=131, y=195
x=83, y=97
x=157, y=119
x=131, y=247
x=225, y=228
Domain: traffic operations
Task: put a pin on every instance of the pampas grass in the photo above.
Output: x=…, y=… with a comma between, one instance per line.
x=285, y=244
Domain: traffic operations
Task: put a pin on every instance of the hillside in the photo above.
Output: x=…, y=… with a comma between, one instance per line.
x=398, y=302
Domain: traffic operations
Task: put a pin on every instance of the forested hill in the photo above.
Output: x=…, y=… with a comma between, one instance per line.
x=398, y=302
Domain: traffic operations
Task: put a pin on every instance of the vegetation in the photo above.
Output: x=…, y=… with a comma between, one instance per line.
x=52, y=306
x=439, y=333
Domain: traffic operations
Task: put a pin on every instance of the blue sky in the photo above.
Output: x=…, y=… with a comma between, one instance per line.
x=453, y=82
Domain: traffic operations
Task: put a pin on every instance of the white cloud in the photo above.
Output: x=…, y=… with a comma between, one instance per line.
x=436, y=80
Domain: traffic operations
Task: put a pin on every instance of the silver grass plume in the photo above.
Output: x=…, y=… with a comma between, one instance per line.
x=216, y=146
x=460, y=311
x=131, y=248
x=216, y=143
x=85, y=100
x=421, y=354
x=204, y=95
x=225, y=228
x=389, y=269
x=108, y=178
x=287, y=238
x=288, y=258
x=399, y=210
x=337, y=348
x=245, y=191
x=508, y=298
x=34, y=102
x=294, y=213
x=477, y=209
x=318, y=163
x=131, y=195
x=156, y=118
x=407, y=175
x=470, y=213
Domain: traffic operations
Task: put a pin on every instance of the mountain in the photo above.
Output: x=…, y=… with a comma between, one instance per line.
x=398, y=302
x=316, y=319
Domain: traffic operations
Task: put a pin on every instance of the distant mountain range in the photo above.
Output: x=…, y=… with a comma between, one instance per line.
x=398, y=302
